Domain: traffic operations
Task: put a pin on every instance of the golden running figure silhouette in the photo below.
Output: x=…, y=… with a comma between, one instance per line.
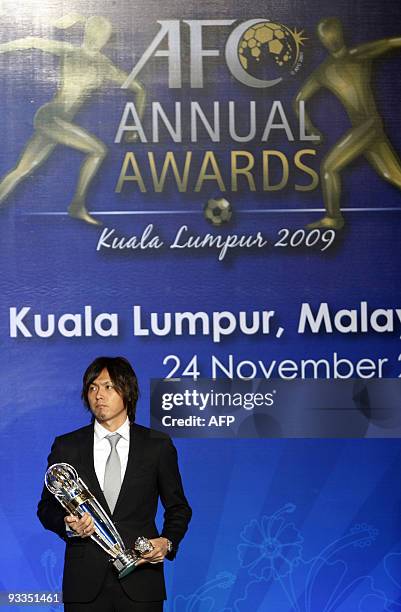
x=346, y=73
x=83, y=69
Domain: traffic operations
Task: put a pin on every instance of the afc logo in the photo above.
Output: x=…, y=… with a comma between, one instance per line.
x=254, y=50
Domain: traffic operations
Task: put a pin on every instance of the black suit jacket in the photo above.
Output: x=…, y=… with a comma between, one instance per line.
x=152, y=472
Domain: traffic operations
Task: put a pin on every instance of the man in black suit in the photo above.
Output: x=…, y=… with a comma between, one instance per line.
x=146, y=462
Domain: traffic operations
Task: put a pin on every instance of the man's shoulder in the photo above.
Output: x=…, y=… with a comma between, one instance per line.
x=146, y=433
x=139, y=431
x=73, y=436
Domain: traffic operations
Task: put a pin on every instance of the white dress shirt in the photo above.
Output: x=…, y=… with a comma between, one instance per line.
x=102, y=448
x=101, y=452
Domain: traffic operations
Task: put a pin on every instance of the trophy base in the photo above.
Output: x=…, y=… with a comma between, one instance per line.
x=125, y=563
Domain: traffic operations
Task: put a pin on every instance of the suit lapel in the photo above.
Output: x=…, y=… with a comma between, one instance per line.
x=88, y=473
x=135, y=453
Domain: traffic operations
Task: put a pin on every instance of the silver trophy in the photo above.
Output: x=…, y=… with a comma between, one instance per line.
x=63, y=481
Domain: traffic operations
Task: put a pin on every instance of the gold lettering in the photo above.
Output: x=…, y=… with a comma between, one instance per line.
x=285, y=170
x=299, y=164
x=130, y=159
x=169, y=160
x=245, y=170
x=215, y=176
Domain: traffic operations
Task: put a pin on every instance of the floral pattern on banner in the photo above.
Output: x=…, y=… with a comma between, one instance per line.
x=275, y=576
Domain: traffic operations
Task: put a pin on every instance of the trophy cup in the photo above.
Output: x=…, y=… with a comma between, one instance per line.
x=63, y=481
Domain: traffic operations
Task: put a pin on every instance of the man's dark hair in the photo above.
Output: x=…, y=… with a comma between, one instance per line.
x=122, y=376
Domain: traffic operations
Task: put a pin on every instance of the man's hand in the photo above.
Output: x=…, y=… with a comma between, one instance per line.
x=157, y=554
x=83, y=526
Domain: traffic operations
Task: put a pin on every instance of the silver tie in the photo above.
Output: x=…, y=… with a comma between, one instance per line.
x=112, y=473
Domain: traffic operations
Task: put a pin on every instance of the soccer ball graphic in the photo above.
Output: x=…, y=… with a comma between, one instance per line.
x=269, y=49
x=218, y=211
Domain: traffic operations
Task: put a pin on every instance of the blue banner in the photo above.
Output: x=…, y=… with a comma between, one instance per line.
x=213, y=191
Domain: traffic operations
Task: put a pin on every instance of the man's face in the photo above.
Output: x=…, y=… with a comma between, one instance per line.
x=105, y=402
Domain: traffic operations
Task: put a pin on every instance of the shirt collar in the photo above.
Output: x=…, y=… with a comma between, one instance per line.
x=101, y=432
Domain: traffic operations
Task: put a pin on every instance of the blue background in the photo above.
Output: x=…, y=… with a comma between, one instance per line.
x=279, y=525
